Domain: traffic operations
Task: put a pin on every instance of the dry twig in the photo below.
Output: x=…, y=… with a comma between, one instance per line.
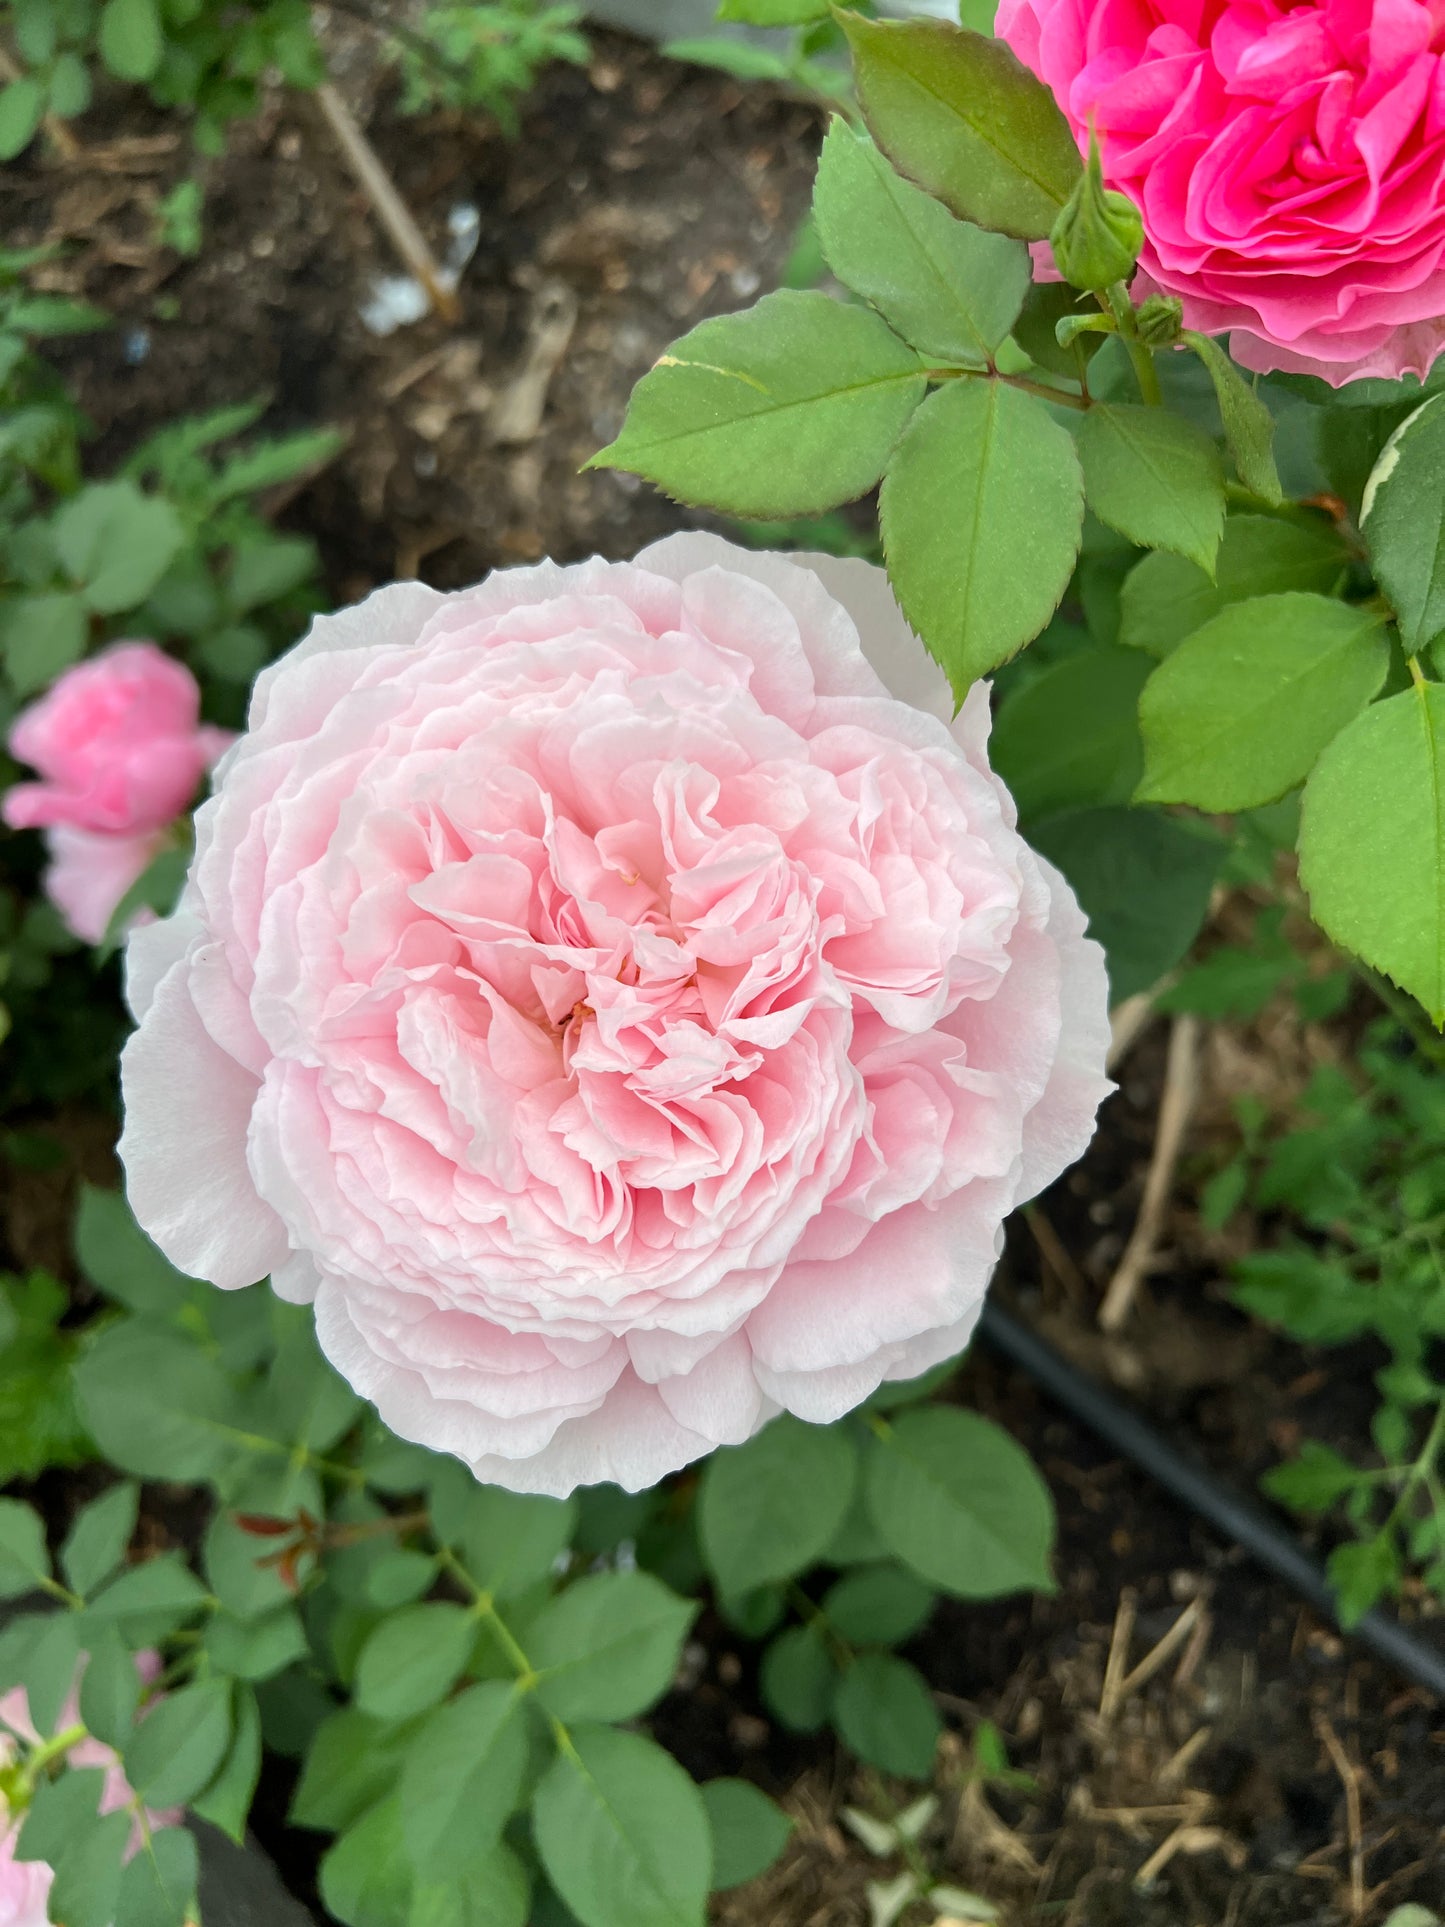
x=1350, y=1781
x=392, y=211
x=1181, y=1087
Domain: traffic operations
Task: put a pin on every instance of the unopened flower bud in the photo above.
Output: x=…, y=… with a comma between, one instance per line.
x=1098, y=235
x=1160, y=320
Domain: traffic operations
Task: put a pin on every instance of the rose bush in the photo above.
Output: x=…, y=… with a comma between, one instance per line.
x=1289, y=163
x=619, y=1013
x=121, y=749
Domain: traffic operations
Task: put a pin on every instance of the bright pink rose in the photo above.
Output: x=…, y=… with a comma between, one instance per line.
x=119, y=742
x=618, y=1013
x=25, y=1884
x=1289, y=162
x=122, y=749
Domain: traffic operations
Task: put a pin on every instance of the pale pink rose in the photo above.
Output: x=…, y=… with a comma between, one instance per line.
x=1288, y=160
x=613, y=1008
x=25, y=1884
x=118, y=741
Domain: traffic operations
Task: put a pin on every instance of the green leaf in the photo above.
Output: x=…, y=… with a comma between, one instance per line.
x=176, y=1749
x=1142, y=879
x=131, y=41
x=740, y=58
x=97, y=1542
x=226, y=1802
x=158, y=1886
x=773, y=13
x=1071, y=736
x=963, y=1505
x=264, y=571
x=798, y=1678
x=41, y=635
x=982, y=510
x=61, y=1811
x=87, y=1881
x=959, y=114
x=767, y=1509
x=1363, y=1573
x=109, y=1687
x=413, y=1659
x=42, y=315
x=255, y=1649
x=507, y=1540
x=24, y=1558
x=366, y=1878
x=119, y=1259
x=1248, y=424
x=748, y=1831
x=41, y=1652
x=608, y=1647
x=460, y=1780
x=1313, y=1481
x=622, y=1833
x=950, y=289
x=157, y=1405
x=1403, y=521
x=1372, y=841
x=148, y=1602
x=786, y=409
x=39, y=1424
x=878, y=1606
x=36, y=25
x=1154, y=477
x=1165, y=598
x=232, y=1563
x=114, y=542
x=886, y=1714
x=22, y=104
x=494, y=1892
x=70, y=86
x=1240, y=712
x=351, y=1762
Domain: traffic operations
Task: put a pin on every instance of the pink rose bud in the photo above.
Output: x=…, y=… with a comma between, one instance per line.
x=618, y=997
x=118, y=742
x=1288, y=161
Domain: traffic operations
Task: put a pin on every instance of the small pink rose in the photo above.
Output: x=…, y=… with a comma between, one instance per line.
x=118, y=742
x=615, y=1005
x=1288, y=161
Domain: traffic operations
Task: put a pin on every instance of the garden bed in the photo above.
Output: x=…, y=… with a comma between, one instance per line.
x=1265, y=1774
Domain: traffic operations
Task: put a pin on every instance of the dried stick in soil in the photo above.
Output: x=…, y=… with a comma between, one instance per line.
x=392, y=211
x=1181, y=1088
x=1350, y=1780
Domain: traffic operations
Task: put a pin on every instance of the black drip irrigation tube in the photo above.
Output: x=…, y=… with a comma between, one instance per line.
x=1265, y=1541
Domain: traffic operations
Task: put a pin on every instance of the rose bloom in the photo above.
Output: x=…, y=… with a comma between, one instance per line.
x=1288, y=160
x=25, y=1884
x=121, y=749
x=613, y=1007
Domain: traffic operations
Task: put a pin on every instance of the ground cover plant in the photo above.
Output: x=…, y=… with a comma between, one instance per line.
x=454, y=1583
